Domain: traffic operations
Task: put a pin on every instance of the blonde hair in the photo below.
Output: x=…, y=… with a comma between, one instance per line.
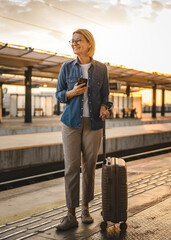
x=89, y=37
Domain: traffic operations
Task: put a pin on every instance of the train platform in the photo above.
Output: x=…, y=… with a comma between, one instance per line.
x=47, y=148
x=33, y=211
x=16, y=125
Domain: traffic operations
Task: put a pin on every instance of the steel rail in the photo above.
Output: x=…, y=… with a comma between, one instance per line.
x=126, y=158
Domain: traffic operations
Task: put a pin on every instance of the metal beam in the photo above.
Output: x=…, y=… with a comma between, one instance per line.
x=35, y=73
x=18, y=62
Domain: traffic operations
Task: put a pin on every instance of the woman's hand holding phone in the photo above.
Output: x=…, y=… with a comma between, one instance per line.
x=80, y=88
x=77, y=90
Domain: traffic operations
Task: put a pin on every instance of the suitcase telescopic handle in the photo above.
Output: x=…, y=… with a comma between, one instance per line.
x=109, y=106
x=104, y=142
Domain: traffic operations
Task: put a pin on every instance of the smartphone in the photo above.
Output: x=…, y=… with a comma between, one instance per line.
x=82, y=80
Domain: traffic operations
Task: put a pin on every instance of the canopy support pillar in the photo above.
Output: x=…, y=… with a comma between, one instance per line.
x=28, y=74
x=128, y=94
x=154, y=102
x=0, y=102
x=163, y=102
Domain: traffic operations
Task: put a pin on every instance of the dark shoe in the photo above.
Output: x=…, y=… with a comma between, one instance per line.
x=67, y=222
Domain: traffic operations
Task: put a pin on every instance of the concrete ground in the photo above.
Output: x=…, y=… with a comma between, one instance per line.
x=14, y=125
x=33, y=211
x=18, y=141
x=38, y=208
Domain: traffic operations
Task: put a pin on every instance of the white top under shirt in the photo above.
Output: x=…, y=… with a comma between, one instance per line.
x=85, y=68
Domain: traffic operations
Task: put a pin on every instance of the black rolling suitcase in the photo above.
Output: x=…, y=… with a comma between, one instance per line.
x=114, y=190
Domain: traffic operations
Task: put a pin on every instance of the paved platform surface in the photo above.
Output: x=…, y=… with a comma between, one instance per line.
x=14, y=133
x=18, y=141
x=151, y=224
x=12, y=126
x=32, y=212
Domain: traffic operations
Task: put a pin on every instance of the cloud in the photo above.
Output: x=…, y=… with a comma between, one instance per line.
x=34, y=14
x=21, y=3
x=152, y=16
x=56, y=19
x=121, y=28
x=168, y=6
x=56, y=14
x=157, y=6
x=116, y=14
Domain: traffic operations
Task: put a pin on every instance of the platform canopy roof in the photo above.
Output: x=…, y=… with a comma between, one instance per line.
x=14, y=61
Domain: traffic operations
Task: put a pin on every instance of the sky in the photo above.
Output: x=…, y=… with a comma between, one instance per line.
x=132, y=33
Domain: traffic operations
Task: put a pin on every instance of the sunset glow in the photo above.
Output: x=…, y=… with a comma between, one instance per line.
x=132, y=34
x=135, y=34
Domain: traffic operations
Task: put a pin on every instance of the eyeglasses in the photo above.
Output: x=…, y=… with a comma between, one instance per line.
x=77, y=41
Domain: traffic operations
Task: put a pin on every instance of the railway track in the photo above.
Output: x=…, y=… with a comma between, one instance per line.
x=126, y=155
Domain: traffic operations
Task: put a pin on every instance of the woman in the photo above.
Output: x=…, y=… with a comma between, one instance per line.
x=82, y=122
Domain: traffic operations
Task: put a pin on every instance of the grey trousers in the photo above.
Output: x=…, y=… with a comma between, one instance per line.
x=80, y=144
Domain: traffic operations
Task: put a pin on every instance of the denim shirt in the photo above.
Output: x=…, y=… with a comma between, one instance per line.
x=98, y=92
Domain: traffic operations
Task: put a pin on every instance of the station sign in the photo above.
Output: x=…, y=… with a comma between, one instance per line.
x=115, y=86
x=35, y=86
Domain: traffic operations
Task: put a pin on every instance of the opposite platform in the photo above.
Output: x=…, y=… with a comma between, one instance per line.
x=13, y=126
x=24, y=150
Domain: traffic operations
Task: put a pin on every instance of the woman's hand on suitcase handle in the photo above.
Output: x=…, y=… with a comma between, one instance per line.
x=104, y=113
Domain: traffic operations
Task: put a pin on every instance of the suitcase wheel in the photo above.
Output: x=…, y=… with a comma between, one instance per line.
x=123, y=227
x=103, y=226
